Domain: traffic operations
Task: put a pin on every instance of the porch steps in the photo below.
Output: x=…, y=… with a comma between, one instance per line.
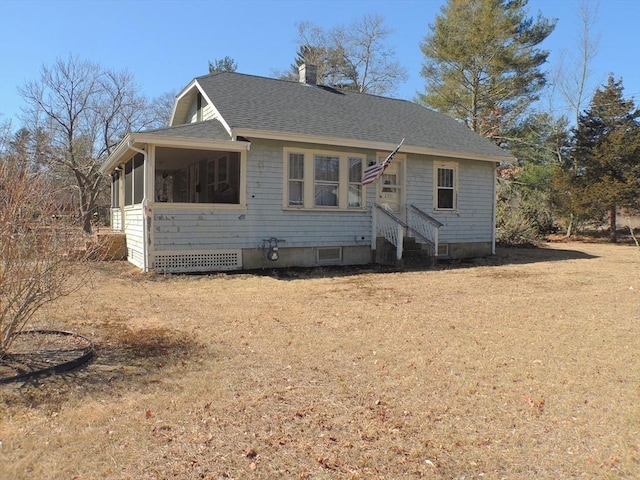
x=416, y=254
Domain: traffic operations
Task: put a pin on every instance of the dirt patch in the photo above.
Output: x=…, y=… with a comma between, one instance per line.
x=521, y=365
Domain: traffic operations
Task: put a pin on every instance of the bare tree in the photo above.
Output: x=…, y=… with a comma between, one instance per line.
x=39, y=251
x=573, y=75
x=163, y=109
x=350, y=57
x=86, y=110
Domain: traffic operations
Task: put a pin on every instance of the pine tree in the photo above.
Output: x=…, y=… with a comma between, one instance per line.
x=482, y=65
x=606, y=154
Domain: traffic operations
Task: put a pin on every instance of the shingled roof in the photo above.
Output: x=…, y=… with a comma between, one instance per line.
x=248, y=102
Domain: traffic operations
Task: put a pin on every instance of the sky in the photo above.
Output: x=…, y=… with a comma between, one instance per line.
x=167, y=43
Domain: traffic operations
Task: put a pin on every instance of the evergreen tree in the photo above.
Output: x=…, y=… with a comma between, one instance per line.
x=606, y=154
x=482, y=65
x=226, y=64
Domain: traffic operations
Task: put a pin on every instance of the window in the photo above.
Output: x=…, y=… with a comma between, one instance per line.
x=323, y=180
x=296, y=179
x=355, y=177
x=138, y=178
x=198, y=176
x=326, y=181
x=445, y=197
x=115, y=189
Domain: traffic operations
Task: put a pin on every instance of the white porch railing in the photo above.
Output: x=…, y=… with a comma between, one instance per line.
x=389, y=226
x=425, y=225
x=419, y=225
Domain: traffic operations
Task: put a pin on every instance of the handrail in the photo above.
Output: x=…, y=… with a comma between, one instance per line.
x=426, y=225
x=393, y=228
x=390, y=226
x=426, y=216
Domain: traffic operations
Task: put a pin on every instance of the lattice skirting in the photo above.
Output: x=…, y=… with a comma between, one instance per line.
x=209, y=261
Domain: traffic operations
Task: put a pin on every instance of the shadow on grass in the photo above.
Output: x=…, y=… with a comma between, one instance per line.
x=518, y=256
x=503, y=256
x=124, y=360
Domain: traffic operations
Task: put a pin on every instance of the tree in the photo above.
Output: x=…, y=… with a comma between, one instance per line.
x=606, y=153
x=163, y=108
x=84, y=109
x=573, y=81
x=482, y=65
x=351, y=57
x=38, y=252
x=226, y=64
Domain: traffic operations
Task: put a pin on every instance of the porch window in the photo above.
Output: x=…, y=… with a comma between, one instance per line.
x=445, y=195
x=128, y=183
x=197, y=176
x=322, y=180
x=115, y=189
x=138, y=178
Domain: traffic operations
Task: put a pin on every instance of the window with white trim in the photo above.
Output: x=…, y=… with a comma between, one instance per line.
x=355, y=182
x=296, y=179
x=445, y=197
x=326, y=181
x=323, y=180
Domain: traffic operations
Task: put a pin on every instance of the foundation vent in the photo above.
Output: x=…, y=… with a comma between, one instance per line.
x=210, y=261
x=329, y=254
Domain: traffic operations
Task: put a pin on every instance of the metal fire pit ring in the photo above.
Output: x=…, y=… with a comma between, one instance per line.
x=44, y=352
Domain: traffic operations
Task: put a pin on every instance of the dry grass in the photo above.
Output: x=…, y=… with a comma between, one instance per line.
x=525, y=365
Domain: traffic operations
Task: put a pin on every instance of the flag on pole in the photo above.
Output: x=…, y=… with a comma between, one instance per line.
x=372, y=173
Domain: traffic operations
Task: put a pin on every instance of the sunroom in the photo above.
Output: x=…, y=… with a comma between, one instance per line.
x=158, y=177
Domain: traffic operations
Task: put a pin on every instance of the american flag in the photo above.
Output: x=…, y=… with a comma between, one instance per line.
x=372, y=173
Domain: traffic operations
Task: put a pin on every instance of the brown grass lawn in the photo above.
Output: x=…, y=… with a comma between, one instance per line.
x=525, y=365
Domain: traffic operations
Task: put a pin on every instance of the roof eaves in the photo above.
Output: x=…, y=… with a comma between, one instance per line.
x=354, y=143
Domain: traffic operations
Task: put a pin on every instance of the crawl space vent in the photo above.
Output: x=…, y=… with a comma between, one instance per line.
x=218, y=260
x=329, y=254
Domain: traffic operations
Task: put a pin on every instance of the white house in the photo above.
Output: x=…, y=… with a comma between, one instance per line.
x=256, y=172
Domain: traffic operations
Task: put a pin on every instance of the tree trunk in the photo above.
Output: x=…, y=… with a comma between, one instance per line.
x=613, y=235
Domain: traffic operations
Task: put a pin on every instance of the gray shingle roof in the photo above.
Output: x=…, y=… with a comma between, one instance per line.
x=259, y=103
x=211, y=129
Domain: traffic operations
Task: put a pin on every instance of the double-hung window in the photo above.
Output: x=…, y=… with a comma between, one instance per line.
x=326, y=181
x=323, y=180
x=296, y=179
x=445, y=187
x=355, y=182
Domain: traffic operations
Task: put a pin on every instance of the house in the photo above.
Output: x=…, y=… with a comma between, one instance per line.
x=256, y=172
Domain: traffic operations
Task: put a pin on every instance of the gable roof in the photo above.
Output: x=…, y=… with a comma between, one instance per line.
x=270, y=108
x=246, y=106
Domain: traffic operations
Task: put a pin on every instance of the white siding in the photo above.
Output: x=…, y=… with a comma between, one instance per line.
x=180, y=227
x=207, y=111
x=473, y=219
x=201, y=228
x=134, y=235
x=116, y=219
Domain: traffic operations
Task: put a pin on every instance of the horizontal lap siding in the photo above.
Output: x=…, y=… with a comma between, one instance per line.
x=474, y=219
x=134, y=229
x=116, y=219
x=209, y=228
x=264, y=217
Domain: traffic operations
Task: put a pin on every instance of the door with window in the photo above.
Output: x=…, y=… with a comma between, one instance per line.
x=390, y=188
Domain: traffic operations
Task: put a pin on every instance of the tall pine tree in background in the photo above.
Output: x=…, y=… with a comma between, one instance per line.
x=605, y=159
x=482, y=65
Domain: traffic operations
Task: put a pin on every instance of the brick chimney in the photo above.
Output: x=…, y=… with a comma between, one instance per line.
x=308, y=74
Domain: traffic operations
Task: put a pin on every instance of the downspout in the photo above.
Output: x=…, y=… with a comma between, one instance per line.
x=145, y=259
